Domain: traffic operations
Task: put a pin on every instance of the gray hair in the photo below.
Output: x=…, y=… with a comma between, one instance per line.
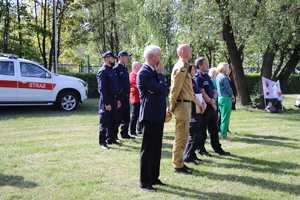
x=151, y=49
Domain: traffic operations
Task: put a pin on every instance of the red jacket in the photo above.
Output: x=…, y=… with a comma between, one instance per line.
x=134, y=92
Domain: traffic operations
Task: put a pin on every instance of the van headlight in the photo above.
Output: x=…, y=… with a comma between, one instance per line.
x=84, y=84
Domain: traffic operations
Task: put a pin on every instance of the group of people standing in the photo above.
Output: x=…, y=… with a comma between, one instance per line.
x=148, y=91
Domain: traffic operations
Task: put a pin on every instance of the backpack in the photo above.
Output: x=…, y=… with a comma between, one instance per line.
x=270, y=108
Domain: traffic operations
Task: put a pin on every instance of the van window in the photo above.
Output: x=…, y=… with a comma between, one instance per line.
x=7, y=68
x=31, y=70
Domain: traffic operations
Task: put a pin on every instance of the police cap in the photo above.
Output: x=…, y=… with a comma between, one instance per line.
x=108, y=54
x=124, y=53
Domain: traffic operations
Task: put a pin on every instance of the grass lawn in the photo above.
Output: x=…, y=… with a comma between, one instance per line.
x=50, y=154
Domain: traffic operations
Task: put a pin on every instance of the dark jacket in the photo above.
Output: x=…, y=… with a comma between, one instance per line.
x=153, y=105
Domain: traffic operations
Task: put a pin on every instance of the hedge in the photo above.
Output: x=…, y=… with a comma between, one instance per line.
x=293, y=85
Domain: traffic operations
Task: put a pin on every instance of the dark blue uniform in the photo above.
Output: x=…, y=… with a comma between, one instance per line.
x=209, y=117
x=108, y=89
x=194, y=135
x=123, y=113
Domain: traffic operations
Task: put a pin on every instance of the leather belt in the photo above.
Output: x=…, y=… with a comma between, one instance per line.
x=183, y=100
x=112, y=95
x=123, y=94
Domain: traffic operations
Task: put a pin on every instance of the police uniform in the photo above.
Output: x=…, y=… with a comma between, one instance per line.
x=108, y=89
x=181, y=95
x=209, y=117
x=123, y=113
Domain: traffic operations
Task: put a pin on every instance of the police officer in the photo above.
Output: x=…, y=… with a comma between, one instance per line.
x=209, y=117
x=123, y=113
x=181, y=96
x=109, y=100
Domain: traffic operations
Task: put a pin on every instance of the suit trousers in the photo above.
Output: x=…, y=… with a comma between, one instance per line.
x=107, y=121
x=193, y=139
x=182, y=112
x=225, y=105
x=134, y=124
x=150, y=152
x=209, y=120
x=123, y=117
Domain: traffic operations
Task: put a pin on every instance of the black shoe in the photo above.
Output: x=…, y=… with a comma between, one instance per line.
x=197, y=159
x=182, y=170
x=186, y=167
x=128, y=137
x=223, y=153
x=205, y=154
x=191, y=161
x=113, y=142
x=104, y=145
x=149, y=189
x=158, y=182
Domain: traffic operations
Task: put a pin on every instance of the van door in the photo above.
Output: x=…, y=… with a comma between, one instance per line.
x=8, y=82
x=35, y=83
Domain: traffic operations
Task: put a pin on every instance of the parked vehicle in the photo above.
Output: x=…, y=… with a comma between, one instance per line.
x=26, y=83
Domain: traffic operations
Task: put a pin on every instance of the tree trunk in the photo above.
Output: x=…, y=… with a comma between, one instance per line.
x=6, y=28
x=20, y=32
x=282, y=56
x=288, y=68
x=236, y=61
x=266, y=71
x=103, y=27
x=43, y=44
x=114, y=29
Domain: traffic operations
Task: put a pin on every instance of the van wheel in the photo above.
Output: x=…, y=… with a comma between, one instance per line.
x=67, y=100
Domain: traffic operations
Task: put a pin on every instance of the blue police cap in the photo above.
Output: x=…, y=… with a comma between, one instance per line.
x=124, y=53
x=108, y=54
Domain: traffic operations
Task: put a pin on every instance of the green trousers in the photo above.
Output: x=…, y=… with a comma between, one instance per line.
x=225, y=105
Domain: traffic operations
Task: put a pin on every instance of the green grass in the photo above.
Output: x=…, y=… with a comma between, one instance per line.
x=50, y=154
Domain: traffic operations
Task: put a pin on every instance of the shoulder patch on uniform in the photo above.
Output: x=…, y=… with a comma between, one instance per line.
x=182, y=70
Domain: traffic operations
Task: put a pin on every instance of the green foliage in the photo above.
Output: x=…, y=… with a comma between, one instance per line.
x=90, y=79
x=89, y=27
x=252, y=80
x=292, y=87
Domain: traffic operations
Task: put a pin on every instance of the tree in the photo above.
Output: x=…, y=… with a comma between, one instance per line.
x=278, y=30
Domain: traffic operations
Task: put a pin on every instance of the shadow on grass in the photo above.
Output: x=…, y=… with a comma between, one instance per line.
x=261, y=165
x=270, y=140
x=186, y=192
x=251, y=181
x=16, y=181
x=14, y=112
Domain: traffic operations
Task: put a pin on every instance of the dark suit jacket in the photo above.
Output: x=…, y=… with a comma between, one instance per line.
x=153, y=105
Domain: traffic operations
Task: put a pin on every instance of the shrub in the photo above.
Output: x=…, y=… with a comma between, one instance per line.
x=293, y=86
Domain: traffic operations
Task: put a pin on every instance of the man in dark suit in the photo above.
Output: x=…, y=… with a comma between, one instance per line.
x=153, y=92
